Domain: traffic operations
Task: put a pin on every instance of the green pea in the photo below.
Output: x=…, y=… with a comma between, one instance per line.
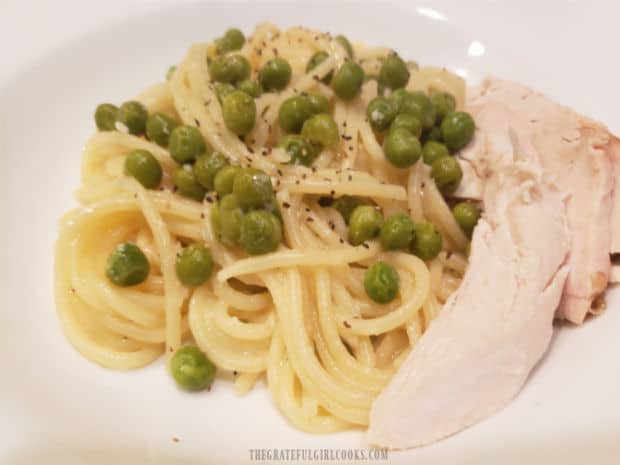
x=300, y=149
x=159, y=126
x=396, y=232
x=419, y=105
x=444, y=103
x=223, y=181
x=186, y=144
x=345, y=206
x=252, y=88
x=230, y=68
x=275, y=74
x=170, y=72
x=233, y=39
x=261, y=232
x=142, y=165
x=457, y=129
x=433, y=133
x=186, y=183
x=226, y=220
x=398, y=97
x=253, y=188
x=342, y=40
x=321, y=129
x=408, y=122
x=316, y=60
x=447, y=174
x=191, y=369
x=222, y=89
x=432, y=151
x=381, y=282
x=318, y=103
x=364, y=224
x=273, y=208
x=133, y=116
x=194, y=264
x=105, y=116
x=401, y=148
x=207, y=167
x=293, y=112
x=127, y=265
x=239, y=112
x=394, y=73
x=348, y=80
x=467, y=215
x=380, y=112
x=427, y=241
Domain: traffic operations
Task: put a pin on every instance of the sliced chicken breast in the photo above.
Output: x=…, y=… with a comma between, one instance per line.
x=476, y=355
x=579, y=155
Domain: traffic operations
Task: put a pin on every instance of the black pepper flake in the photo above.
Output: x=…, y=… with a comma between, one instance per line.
x=316, y=77
x=366, y=246
x=209, y=199
x=235, y=372
x=350, y=177
x=304, y=176
x=341, y=240
x=264, y=152
x=332, y=225
x=171, y=349
x=345, y=137
x=313, y=169
x=332, y=192
x=259, y=52
x=286, y=205
x=346, y=324
x=207, y=103
x=249, y=159
x=297, y=181
x=351, y=147
x=72, y=290
x=251, y=150
x=307, y=209
x=279, y=172
x=202, y=216
x=422, y=185
x=277, y=183
x=309, y=219
x=275, y=51
x=344, y=124
x=197, y=122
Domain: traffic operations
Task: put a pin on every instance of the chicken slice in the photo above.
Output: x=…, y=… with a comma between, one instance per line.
x=476, y=355
x=577, y=153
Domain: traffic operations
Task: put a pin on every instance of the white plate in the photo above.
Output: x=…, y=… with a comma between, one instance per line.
x=57, y=408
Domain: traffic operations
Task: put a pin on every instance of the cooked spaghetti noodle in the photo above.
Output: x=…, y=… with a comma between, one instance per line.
x=298, y=317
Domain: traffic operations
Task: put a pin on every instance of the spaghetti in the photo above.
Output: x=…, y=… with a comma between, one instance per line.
x=299, y=316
